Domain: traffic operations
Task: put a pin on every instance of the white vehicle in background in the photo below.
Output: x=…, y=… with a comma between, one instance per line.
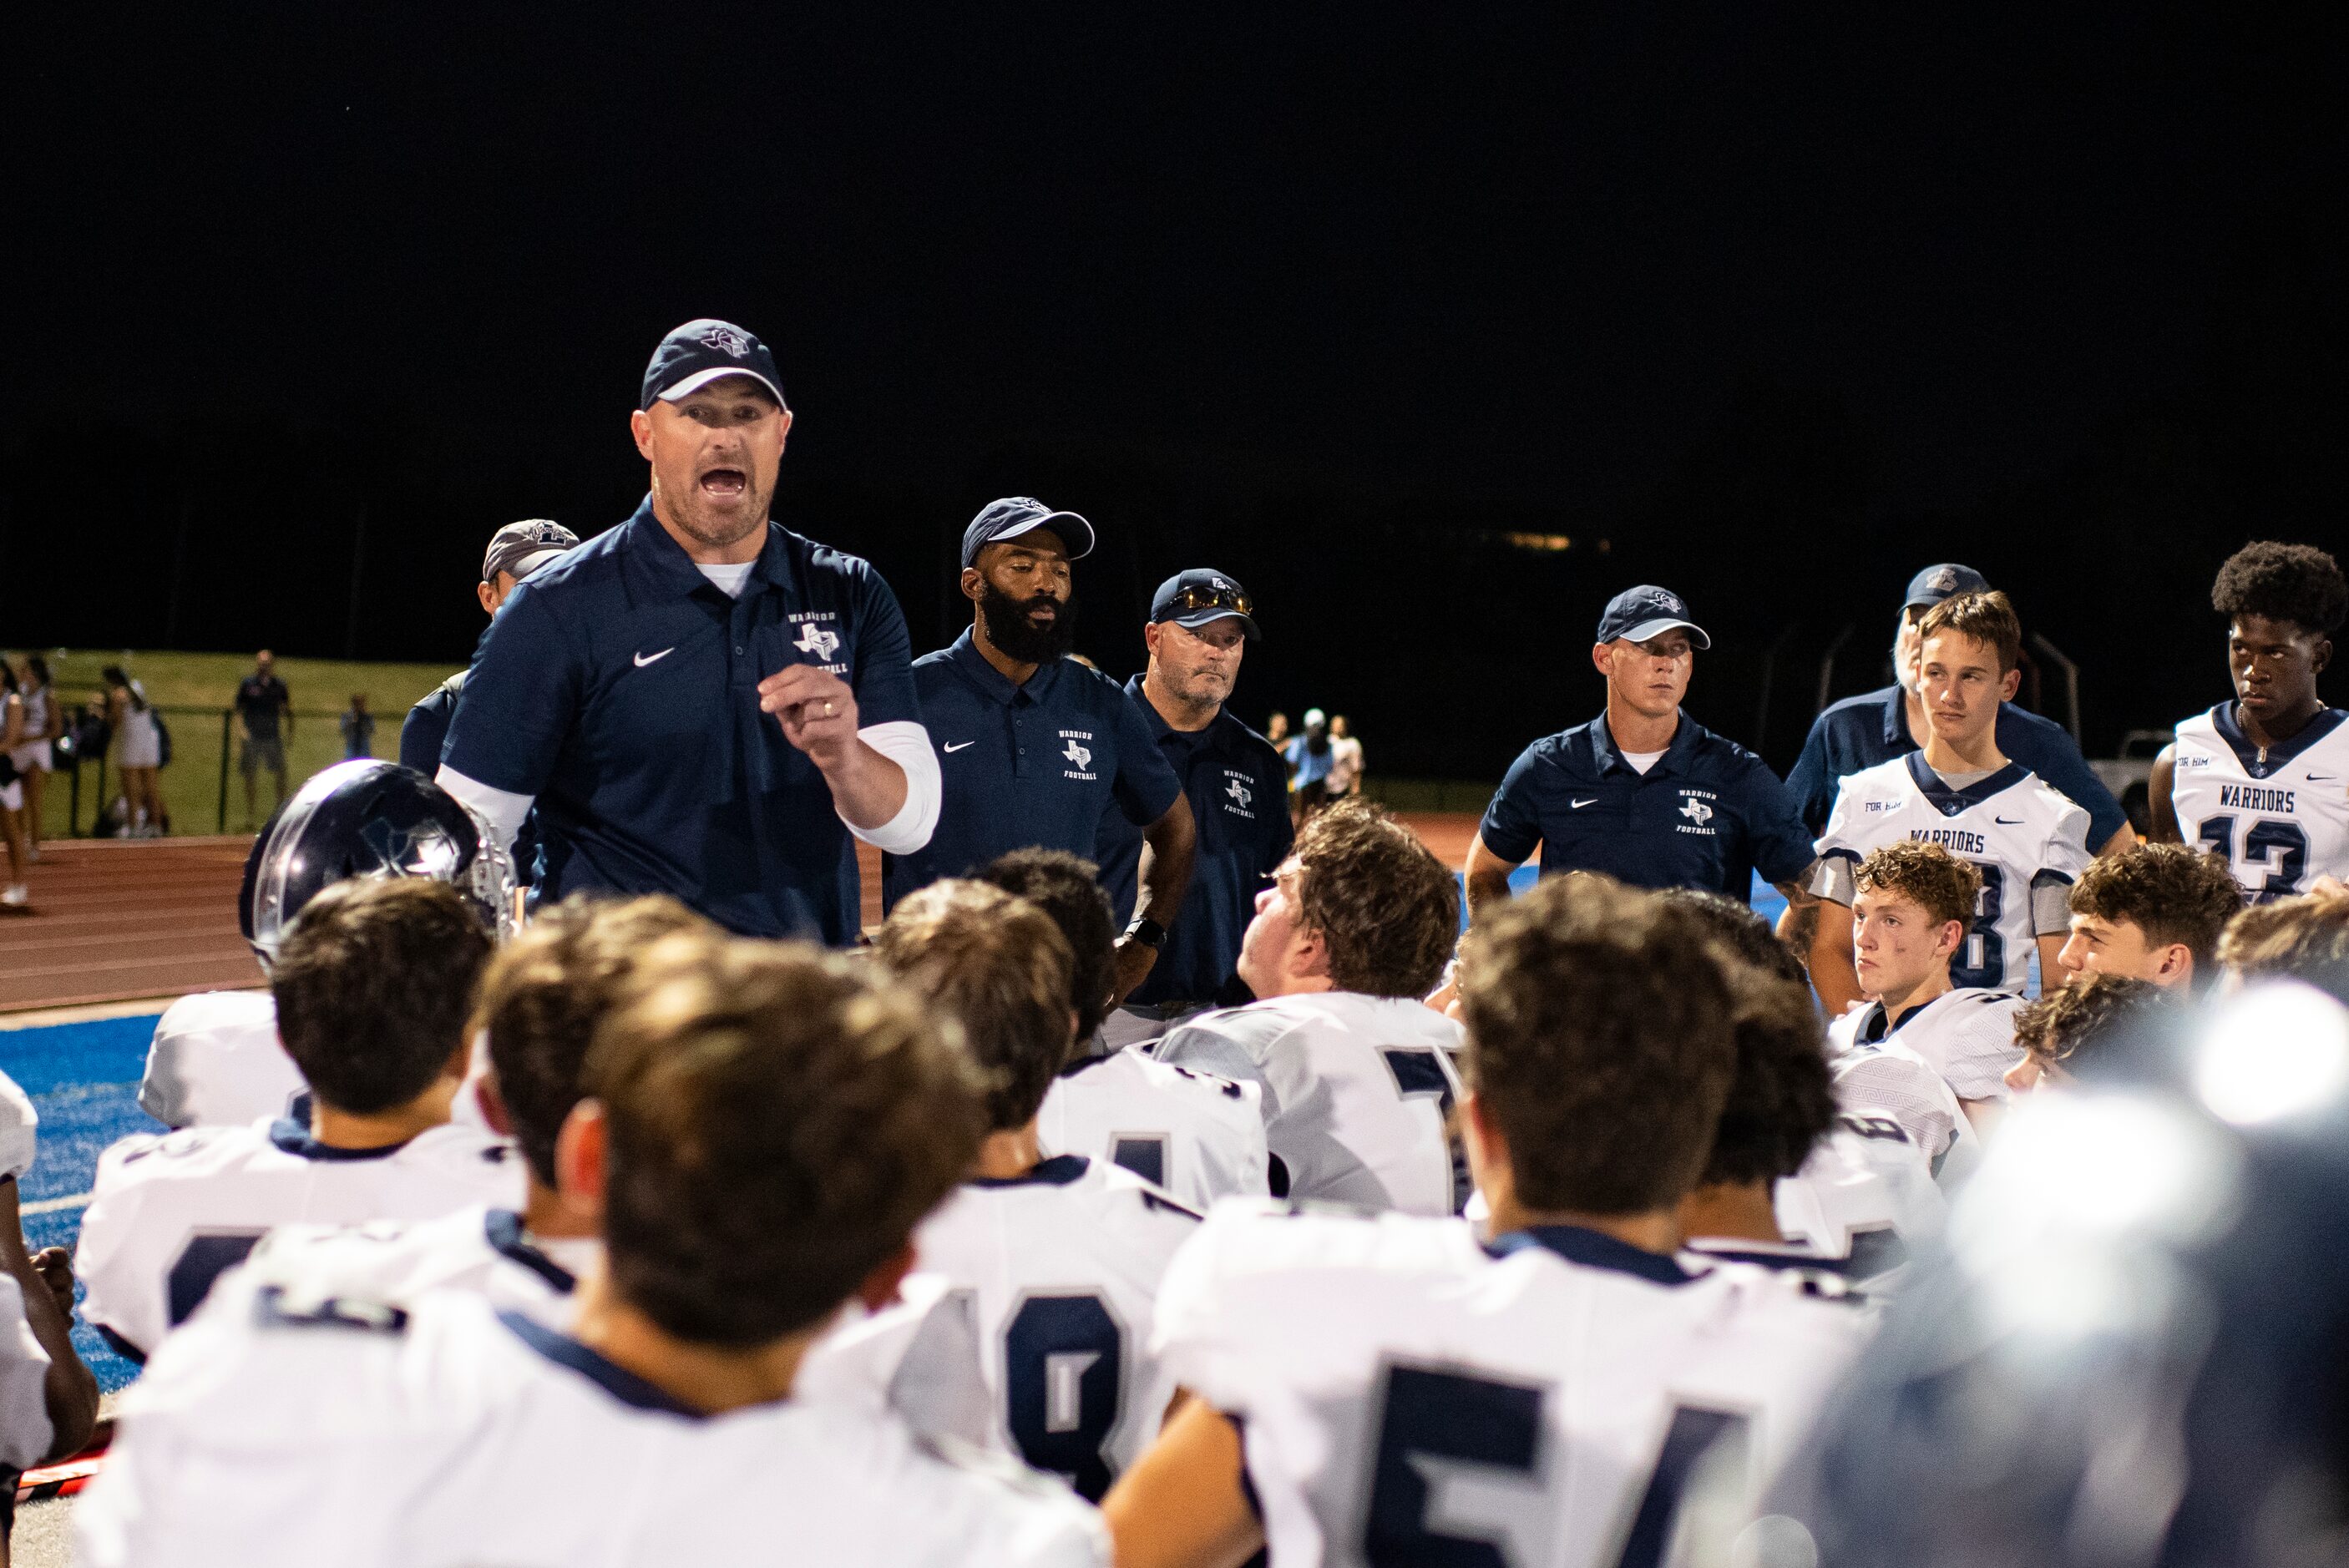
x=2129, y=775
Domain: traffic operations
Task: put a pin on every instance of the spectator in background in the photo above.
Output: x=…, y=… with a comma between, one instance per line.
x=262, y=700
x=1309, y=757
x=1345, y=760
x=35, y=755
x=1276, y=728
x=138, y=754
x=358, y=729
x=11, y=791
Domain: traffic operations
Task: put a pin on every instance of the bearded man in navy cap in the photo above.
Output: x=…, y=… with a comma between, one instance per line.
x=700, y=701
x=1643, y=792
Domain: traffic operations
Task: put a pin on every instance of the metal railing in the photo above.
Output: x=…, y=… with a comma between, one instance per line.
x=194, y=744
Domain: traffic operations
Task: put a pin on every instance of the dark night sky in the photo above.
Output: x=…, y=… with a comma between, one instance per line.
x=1781, y=304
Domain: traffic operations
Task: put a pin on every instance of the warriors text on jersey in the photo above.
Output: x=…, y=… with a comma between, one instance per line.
x=2280, y=817
x=173, y=1210
x=1062, y=1267
x=2028, y=842
x=1411, y=1396
x=276, y=1429
x=1357, y=1092
x=1198, y=1136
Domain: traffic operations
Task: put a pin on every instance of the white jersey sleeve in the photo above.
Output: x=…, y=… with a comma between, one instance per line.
x=397, y=1262
x=1408, y=1395
x=1358, y=1094
x=1886, y=1080
x=918, y=1357
x=25, y=1430
x=216, y=1061
x=281, y=1430
x=1197, y=1135
x=1865, y=1196
x=171, y=1211
x=1061, y=1268
x=2280, y=817
x=20, y=1129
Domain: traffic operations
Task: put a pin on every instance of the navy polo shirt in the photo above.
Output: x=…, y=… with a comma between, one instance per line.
x=1861, y=731
x=619, y=686
x=1708, y=815
x=1026, y=765
x=1239, y=799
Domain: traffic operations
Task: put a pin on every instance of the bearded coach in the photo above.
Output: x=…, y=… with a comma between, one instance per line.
x=700, y=701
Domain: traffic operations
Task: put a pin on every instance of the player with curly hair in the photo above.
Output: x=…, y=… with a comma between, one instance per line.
x=2074, y=1028
x=2263, y=780
x=2154, y=913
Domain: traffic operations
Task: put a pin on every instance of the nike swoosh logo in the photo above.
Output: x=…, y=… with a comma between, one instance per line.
x=957, y=745
x=644, y=659
x=2323, y=778
x=1579, y=805
x=2008, y=821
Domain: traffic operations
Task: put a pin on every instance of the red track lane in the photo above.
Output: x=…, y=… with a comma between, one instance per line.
x=114, y=921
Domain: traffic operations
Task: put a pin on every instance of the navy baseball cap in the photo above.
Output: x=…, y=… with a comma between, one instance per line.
x=700, y=352
x=1936, y=583
x=1192, y=599
x=1016, y=514
x=1638, y=614
x=521, y=548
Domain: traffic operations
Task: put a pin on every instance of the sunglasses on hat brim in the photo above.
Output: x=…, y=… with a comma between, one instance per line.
x=1191, y=601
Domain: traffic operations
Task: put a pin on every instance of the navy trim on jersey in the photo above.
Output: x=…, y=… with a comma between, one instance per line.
x=1949, y=802
x=1083, y=1064
x=613, y=1378
x=121, y=1346
x=1058, y=1171
x=294, y=1138
x=1592, y=1249
x=1797, y=1260
x=502, y=1230
x=2222, y=719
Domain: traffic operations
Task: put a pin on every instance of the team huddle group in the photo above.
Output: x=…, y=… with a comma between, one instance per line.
x=634, y=1233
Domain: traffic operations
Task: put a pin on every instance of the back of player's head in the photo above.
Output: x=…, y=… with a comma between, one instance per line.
x=545, y=992
x=372, y=986
x=1988, y=618
x=1782, y=1098
x=2304, y=938
x=998, y=967
x=1927, y=875
x=1387, y=909
x=2075, y=1025
x=777, y=1120
x=2175, y=893
x=1065, y=887
x=2294, y=582
x=1599, y=1043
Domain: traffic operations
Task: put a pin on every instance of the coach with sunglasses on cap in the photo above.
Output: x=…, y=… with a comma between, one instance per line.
x=700, y=701
x=1035, y=748
x=1200, y=625
x=1643, y=792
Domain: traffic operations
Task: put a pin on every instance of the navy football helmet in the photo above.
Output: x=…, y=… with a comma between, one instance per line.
x=369, y=819
x=2136, y=1350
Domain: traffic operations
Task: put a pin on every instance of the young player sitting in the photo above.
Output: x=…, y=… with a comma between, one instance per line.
x=2153, y=913
x=2304, y=938
x=1061, y=1256
x=767, y=1125
x=540, y=1000
x=2027, y=841
x=1198, y=1136
x=372, y=986
x=2075, y=1029
x=1792, y=1180
x=1357, y=1072
x=1393, y=1390
x=1904, y=1056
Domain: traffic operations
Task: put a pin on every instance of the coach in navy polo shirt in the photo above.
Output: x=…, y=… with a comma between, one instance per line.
x=1033, y=745
x=1643, y=792
x=1878, y=726
x=700, y=702
x=1200, y=625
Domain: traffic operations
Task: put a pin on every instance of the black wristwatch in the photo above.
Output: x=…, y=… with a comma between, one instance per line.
x=1148, y=932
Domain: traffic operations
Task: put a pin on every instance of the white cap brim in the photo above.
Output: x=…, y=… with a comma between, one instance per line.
x=1078, y=549
x=1657, y=628
x=700, y=379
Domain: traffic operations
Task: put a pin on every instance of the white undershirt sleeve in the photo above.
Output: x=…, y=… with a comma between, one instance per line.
x=906, y=744
x=502, y=809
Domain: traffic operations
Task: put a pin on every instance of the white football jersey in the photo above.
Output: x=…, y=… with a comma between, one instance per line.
x=1884, y=1080
x=1197, y=1136
x=20, y=1129
x=2280, y=817
x=216, y=1061
x=1410, y=1396
x=2029, y=841
x=25, y=1430
x=1861, y=1206
x=1062, y=1268
x=280, y=1430
x=1358, y=1094
x=171, y=1211
x=1967, y=1037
